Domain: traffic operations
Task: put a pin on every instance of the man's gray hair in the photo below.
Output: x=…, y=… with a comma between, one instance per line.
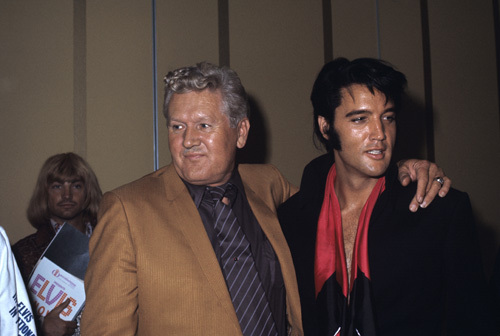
x=205, y=76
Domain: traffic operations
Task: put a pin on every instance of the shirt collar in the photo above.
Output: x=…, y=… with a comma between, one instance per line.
x=197, y=191
x=56, y=227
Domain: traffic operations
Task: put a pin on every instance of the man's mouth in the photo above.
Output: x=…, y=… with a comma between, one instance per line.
x=192, y=154
x=375, y=151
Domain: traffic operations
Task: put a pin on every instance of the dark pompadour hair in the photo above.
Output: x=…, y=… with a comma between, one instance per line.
x=341, y=73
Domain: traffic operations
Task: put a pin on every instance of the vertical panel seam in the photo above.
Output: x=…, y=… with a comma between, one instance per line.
x=496, y=23
x=429, y=109
x=155, y=87
x=79, y=78
x=327, y=31
x=223, y=22
x=377, y=27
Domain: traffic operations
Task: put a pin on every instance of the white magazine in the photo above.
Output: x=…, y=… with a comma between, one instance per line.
x=59, y=273
x=50, y=285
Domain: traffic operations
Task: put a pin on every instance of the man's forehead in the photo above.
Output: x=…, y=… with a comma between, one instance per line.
x=199, y=105
x=354, y=92
x=64, y=179
x=213, y=95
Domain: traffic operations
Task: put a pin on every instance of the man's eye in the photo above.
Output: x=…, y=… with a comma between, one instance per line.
x=390, y=118
x=176, y=127
x=358, y=119
x=204, y=125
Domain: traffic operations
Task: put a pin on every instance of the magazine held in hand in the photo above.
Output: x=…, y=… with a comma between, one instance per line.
x=59, y=274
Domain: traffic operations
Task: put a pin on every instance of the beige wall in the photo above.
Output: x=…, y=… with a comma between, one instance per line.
x=277, y=57
x=80, y=78
x=36, y=99
x=183, y=42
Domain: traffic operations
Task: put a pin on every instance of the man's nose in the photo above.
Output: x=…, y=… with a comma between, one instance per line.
x=377, y=130
x=191, y=138
x=67, y=192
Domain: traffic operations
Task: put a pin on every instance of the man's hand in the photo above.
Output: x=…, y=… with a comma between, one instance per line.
x=53, y=325
x=426, y=174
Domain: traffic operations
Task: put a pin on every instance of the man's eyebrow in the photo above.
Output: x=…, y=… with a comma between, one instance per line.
x=70, y=180
x=356, y=112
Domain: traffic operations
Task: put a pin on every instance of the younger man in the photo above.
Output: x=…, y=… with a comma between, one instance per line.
x=66, y=191
x=365, y=264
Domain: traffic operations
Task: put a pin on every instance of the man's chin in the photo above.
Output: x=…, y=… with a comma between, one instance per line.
x=68, y=217
x=195, y=179
x=377, y=171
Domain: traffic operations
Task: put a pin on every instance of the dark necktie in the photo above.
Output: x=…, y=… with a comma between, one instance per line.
x=238, y=265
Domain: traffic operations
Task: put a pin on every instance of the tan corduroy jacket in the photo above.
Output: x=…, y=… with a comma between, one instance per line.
x=153, y=270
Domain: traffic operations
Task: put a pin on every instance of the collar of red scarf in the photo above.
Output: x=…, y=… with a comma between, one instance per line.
x=330, y=270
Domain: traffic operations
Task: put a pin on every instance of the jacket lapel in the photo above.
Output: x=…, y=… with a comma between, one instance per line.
x=268, y=221
x=182, y=209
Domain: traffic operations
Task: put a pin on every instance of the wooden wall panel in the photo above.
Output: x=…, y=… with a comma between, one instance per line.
x=354, y=26
x=466, y=104
x=36, y=99
x=276, y=48
x=119, y=90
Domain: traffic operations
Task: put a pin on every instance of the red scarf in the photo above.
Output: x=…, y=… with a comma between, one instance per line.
x=330, y=253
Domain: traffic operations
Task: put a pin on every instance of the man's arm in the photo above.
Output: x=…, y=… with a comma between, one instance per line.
x=110, y=280
x=426, y=174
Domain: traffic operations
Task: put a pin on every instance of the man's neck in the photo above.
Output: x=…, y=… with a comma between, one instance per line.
x=76, y=222
x=352, y=192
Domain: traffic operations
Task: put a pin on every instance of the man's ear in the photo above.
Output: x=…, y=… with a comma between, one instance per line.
x=243, y=129
x=324, y=127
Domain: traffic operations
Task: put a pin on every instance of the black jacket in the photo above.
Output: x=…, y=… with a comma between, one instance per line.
x=426, y=270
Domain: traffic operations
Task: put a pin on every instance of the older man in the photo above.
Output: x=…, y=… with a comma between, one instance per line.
x=365, y=264
x=195, y=248
x=66, y=191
